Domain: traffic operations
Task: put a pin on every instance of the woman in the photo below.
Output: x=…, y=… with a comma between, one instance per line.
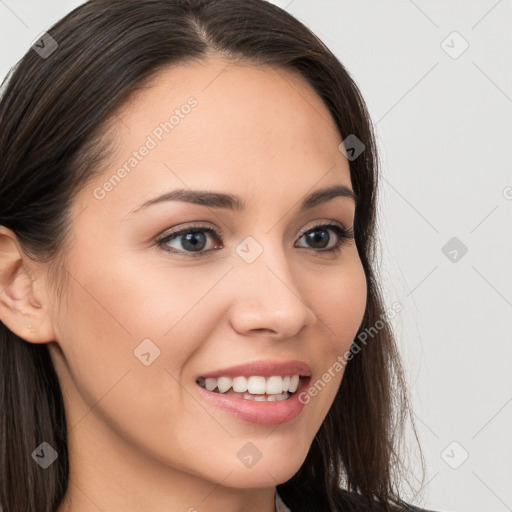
x=187, y=225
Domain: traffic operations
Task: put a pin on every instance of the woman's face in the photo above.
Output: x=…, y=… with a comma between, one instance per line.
x=143, y=321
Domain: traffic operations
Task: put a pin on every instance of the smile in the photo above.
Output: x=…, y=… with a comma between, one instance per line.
x=260, y=392
x=256, y=387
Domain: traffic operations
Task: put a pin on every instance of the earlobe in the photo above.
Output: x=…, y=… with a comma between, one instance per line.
x=20, y=310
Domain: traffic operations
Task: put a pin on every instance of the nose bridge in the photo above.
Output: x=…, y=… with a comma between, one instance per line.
x=267, y=296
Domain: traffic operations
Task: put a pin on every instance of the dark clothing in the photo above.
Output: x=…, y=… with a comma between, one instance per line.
x=352, y=503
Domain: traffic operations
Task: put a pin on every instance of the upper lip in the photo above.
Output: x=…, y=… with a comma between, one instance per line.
x=263, y=369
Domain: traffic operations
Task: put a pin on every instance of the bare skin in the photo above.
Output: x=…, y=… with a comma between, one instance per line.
x=143, y=437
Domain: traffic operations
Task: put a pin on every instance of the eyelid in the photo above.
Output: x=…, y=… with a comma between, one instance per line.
x=316, y=224
x=321, y=223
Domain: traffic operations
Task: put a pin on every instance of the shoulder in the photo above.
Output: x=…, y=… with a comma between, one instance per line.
x=406, y=507
x=359, y=503
x=345, y=501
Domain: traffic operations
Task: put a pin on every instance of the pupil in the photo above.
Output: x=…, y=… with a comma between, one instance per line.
x=312, y=237
x=192, y=239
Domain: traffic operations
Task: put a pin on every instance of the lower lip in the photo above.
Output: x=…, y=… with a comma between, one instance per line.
x=260, y=413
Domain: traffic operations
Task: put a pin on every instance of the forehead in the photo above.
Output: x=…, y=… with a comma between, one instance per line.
x=239, y=107
x=218, y=124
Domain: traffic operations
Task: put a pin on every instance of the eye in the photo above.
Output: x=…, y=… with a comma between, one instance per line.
x=318, y=236
x=193, y=239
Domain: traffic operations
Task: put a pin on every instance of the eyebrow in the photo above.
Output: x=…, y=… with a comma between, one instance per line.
x=236, y=203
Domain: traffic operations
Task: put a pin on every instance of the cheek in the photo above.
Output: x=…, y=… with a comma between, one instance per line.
x=123, y=313
x=107, y=317
x=340, y=303
x=123, y=298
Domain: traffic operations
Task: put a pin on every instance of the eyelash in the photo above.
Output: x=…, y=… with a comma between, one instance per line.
x=343, y=234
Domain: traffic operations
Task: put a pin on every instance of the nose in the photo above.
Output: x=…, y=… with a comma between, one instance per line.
x=266, y=298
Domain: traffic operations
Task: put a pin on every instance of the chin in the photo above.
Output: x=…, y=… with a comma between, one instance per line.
x=261, y=476
x=274, y=467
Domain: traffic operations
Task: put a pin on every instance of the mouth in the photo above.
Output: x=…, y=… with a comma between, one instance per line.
x=255, y=387
x=261, y=392
x=254, y=404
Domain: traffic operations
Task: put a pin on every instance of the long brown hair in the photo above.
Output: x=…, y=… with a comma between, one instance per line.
x=53, y=112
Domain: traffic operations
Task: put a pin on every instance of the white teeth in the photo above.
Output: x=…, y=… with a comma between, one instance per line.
x=294, y=383
x=210, y=384
x=224, y=384
x=274, y=385
x=240, y=384
x=255, y=385
x=266, y=398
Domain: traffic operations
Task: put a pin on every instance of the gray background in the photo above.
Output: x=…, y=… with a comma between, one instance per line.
x=443, y=120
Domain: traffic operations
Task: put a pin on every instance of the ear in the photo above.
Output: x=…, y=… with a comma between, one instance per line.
x=23, y=301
